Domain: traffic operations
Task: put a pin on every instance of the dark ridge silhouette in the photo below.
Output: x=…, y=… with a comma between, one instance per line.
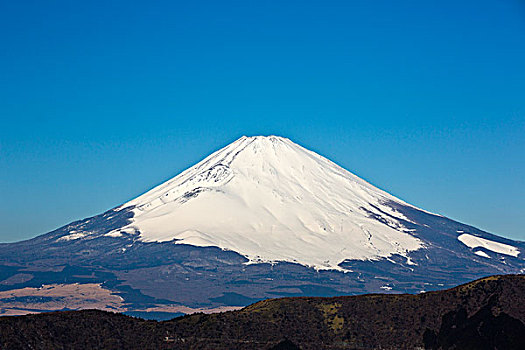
x=285, y=345
x=485, y=314
x=481, y=331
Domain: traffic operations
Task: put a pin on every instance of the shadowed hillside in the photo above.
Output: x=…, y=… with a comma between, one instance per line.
x=484, y=314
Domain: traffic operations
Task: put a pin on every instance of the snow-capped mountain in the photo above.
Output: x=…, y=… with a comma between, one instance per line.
x=270, y=200
x=262, y=217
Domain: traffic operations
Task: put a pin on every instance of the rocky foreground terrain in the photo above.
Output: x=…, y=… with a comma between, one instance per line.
x=485, y=314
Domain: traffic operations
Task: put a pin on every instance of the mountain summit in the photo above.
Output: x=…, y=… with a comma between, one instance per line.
x=261, y=218
x=270, y=200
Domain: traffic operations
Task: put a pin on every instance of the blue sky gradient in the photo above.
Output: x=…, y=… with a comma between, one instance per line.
x=100, y=101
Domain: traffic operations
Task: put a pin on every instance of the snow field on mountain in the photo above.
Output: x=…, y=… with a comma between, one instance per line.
x=270, y=199
x=475, y=242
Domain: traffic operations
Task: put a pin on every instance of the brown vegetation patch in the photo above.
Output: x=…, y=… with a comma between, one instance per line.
x=59, y=297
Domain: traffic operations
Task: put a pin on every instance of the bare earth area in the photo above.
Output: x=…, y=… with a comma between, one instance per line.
x=79, y=296
x=59, y=297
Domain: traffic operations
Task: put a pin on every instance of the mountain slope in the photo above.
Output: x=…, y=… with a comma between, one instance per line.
x=261, y=218
x=270, y=200
x=484, y=314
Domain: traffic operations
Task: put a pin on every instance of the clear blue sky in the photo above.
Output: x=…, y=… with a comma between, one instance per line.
x=101, y=100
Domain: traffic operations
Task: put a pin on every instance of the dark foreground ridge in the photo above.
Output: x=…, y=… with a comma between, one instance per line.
x=485, y=314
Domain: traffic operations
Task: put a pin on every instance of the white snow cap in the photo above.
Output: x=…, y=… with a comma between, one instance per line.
x=270, y=199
